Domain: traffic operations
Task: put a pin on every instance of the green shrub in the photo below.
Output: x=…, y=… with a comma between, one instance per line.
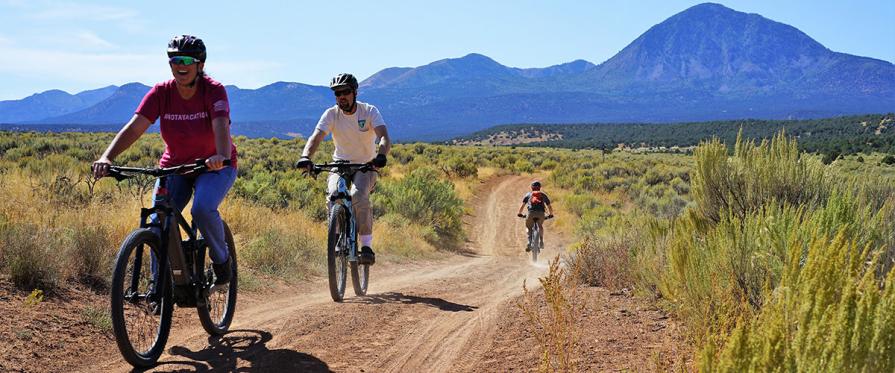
x=460, y=167
x=579, y=204
x=831, y=312
x=742, y=184
x=91, y=254
x=31, y=256
x=424, y=199
x=523, y=166
x=283, y=253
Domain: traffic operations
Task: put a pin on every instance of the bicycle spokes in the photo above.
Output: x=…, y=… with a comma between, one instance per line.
x=218, y=298
x=141, y=306
x=342, y=250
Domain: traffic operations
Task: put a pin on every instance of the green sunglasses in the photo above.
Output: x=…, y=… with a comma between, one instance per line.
x=183, y=60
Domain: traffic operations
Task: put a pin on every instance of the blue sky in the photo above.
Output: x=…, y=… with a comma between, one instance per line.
x=89, y=44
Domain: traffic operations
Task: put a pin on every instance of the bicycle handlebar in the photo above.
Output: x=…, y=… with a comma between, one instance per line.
x=341, y=167
x=122, y=173
x=548, y=217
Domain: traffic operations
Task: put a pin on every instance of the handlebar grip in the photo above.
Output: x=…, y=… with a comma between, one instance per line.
x=117, y=175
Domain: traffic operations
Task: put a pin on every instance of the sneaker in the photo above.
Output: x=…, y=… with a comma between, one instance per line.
x=221, y=273
x=366, y=256
x=527, y=248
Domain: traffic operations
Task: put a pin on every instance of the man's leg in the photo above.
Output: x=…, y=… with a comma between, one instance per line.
x=363, y=212
x=332, y=185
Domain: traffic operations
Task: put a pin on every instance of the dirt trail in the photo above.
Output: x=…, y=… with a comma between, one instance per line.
x=435, y=317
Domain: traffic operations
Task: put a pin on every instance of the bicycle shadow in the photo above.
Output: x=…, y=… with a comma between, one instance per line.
x=396, y=297
x=225, y=352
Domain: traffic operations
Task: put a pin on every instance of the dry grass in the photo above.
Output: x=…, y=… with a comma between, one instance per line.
x=554, y=324
x=606, y=263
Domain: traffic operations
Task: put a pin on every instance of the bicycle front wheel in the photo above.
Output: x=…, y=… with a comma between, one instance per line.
x=220, y=304
x=337, y=251
x=141, y=311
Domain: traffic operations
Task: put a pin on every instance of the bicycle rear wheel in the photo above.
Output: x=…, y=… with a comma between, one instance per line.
x=220, y=304
x=535, y=243
x=141, y=316
x=337, y=251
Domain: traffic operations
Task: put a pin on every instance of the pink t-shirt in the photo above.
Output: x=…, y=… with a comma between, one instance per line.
x=186, y=124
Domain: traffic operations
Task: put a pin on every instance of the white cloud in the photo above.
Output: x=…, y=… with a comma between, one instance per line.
x=91, y=68
x=82, y=70
x=92, y=40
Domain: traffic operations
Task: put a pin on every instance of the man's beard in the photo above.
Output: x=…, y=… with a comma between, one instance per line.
x=348, y=106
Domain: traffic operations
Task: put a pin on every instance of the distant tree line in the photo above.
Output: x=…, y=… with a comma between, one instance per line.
x=830, y=136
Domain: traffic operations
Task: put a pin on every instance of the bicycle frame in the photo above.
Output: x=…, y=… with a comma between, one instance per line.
x=181, y=257
x=537, y=226
x=173, y=254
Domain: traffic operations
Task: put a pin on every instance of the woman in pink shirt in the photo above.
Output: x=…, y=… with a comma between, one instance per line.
x=194, y=117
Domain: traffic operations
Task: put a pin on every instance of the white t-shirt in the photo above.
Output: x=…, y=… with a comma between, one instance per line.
x=353, y=134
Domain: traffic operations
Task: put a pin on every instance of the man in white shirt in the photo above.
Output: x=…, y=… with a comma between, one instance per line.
x=355, y=126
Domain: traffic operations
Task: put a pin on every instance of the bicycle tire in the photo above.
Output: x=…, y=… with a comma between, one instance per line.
x=360, y=278
x=139, y=238
x=535, y=243
x=213, y=324
x=336, y=252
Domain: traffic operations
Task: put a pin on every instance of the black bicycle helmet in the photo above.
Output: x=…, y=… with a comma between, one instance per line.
x=187, y=45
x=343, y=80
x=535, y=185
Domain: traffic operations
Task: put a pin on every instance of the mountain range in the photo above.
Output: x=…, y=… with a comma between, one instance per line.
x=708, y=62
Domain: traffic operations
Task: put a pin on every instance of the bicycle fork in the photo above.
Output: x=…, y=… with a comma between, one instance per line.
x=343, y=197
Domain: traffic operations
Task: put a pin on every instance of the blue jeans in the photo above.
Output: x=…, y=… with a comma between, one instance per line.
x=211, y=187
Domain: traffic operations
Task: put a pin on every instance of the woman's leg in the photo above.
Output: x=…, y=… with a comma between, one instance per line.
x=211, y=188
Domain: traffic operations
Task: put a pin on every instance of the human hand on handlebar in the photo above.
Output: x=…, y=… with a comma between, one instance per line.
x=305, y=164
x=101, y=167
x=550, y=216
x=379, y=161
x=521, y=215
x=215, y=162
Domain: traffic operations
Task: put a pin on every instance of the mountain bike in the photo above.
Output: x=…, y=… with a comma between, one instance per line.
x=536, y=239
x=155, y=269
x=341, y=247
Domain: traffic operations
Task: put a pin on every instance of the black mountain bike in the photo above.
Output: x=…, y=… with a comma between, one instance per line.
x=142, y=304
x=341, y=247
x=536, y=240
